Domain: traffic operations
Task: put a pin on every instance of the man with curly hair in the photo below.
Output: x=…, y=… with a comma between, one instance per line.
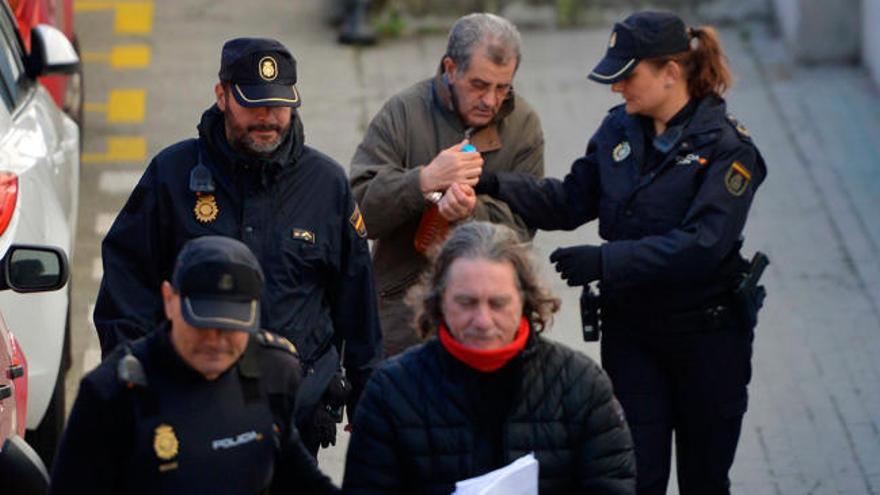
x=488, y=388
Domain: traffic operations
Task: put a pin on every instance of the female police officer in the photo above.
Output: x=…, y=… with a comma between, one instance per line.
x=671, y=177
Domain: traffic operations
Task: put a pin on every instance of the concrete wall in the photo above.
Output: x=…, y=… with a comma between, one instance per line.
x=822, y=30
x=871, y=37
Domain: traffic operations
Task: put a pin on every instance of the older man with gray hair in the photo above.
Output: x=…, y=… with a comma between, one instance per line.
x=489, y=388
x=413, y=173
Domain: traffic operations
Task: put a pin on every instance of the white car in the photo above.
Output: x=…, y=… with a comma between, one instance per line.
x=23, y=269
x=39, y=185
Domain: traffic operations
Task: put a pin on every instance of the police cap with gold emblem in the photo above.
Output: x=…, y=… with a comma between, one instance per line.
x=641, y=35
x=219, y=282
x=260, y=71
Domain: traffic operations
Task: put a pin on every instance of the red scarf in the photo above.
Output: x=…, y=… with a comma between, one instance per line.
x=485, y=360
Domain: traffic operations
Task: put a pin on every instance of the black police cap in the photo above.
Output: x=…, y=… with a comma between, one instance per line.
x=219, y=281
x=261, y=71
x=640, y=36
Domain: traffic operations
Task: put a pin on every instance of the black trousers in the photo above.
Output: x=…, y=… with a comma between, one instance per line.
x=692, y=383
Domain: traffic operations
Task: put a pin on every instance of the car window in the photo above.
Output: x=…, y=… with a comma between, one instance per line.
x=11, y=68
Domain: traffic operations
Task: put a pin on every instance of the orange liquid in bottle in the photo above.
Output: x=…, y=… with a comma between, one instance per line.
x=432, y=229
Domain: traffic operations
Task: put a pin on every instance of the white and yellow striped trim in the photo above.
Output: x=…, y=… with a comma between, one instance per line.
x=616, y=74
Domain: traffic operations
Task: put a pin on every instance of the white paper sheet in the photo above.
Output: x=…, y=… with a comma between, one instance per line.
x=520, y=477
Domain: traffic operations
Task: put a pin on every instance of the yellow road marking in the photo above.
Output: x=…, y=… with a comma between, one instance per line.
x=124, y=106
x=95, y=107
x=133, y=18
x=119, y=149
x=85, y=6
x=122, y=57
x=129, y=17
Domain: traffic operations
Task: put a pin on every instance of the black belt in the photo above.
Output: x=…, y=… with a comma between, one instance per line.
x=707, y=319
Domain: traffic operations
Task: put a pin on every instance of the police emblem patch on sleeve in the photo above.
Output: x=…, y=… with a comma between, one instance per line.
x=357, y=221
x=737, y=179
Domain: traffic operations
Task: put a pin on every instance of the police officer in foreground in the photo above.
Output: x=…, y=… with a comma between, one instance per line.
x=671, y=177
x=202, y=404
x=250, y=176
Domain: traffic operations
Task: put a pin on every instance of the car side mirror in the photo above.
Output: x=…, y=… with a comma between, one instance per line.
x=33, y=269
x=51, y=53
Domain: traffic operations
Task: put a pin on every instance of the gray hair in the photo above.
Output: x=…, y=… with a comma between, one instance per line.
x=493, y=242
x=498, y=35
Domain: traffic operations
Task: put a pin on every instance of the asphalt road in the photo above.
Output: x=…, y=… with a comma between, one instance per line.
x=813, y=421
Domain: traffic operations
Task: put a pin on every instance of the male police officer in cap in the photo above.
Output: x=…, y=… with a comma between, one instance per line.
x=204, y=403
x=250, y=176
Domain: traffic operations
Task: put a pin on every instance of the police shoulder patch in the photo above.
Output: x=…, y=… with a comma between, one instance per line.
x=275, y=341
x=737, y=179
x=357, y=221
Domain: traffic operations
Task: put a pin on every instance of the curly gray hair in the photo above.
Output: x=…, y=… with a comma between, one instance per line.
x=493, y=242
x=498, y=35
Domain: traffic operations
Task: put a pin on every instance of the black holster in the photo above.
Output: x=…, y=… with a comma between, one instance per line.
x=748, y=295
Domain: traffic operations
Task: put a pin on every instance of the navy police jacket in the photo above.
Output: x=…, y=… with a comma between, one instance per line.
x=296, y=213
x=167, y=429
x=674, y=227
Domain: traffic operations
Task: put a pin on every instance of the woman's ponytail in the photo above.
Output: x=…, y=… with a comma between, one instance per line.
x=707, y=71
x=704, y=64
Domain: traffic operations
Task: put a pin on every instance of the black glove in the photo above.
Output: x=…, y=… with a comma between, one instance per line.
x=322, y=429
x=358, y=379
x=578, y=265
x=488, y=184
x=336, y=395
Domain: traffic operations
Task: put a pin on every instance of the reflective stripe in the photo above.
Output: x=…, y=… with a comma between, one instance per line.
x=616, y=74
x=264, y=100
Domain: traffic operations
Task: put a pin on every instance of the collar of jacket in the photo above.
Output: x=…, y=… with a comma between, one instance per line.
x=708, y=117
x=212, y=131
x=485, y=138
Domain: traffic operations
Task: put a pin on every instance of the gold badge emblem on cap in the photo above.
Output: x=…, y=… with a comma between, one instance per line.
x=206, y=208
x=621, y=151
x=613, y=40
x=165, y=442
x=268, y=68
x=226, y=283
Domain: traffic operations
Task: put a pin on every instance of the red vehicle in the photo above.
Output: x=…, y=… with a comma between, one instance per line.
x=66, y=90
x=22, y=269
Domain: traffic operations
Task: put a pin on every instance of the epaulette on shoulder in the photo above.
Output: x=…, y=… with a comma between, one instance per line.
x=275, y=341
x=739, y=127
